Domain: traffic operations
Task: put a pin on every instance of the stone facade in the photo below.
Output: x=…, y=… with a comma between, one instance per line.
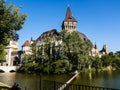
x=26, y=47
x=51, y=35
x=96, y=52
x=11, y=52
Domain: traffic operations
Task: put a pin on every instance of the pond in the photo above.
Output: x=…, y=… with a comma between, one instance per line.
x=30, y=81
x=109, y=79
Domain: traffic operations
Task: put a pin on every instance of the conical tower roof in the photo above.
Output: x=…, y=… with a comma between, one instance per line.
x=95, y=46
x=69, y=16
x=27, y=43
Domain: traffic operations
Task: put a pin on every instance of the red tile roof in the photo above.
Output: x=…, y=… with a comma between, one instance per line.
x=27, y=43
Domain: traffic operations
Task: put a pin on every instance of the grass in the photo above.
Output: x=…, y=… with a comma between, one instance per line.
x=3, y=85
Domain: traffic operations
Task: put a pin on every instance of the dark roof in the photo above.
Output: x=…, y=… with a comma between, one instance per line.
x=69, y=16
x=103, y=49
x=83, y=36
x=95, y=46
x=27, y=43
x=49, y=33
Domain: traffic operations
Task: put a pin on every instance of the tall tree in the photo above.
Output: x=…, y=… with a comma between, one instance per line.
x=2, y=53
x=75, y=49
x=11, y=20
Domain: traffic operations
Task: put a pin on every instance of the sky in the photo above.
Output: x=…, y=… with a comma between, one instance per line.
x=99, y=20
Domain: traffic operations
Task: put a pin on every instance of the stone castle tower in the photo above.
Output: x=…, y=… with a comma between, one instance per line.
x=69, y=23
x=11, y=52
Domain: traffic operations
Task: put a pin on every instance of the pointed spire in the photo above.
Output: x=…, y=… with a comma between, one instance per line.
x=69, y=16
x=31, y=39
x=26, y=43
x=69, y=13
x=95, y=46
x=68, y=5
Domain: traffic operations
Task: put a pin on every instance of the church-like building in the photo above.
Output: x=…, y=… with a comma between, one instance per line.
x=69, y=23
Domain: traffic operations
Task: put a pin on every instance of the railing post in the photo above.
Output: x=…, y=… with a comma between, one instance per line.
x=41, y=88
x=54, y=85
x=79, y=87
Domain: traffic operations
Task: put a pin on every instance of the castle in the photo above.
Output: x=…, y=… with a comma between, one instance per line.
x=69, y=24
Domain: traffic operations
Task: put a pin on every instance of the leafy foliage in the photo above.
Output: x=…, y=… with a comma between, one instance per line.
x=76, y=49
x=71, y=55
x=97, y=64
x=61, y=66
x=2, y=53
x=11, y=20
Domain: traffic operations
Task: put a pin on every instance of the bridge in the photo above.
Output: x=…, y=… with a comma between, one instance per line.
x=9, y=68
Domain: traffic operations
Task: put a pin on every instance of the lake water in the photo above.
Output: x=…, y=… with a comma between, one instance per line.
x=30, y=81
x=109, y=79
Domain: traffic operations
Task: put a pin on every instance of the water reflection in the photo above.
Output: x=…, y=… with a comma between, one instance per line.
x=109, y=79
x=30, y=81
x=8, y=78
x=90, y=75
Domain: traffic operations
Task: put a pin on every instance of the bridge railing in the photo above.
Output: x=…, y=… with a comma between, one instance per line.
x=86, y=87
x=53, y=85
x=9, y=68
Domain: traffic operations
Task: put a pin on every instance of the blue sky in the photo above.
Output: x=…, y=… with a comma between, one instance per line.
x=98, y=19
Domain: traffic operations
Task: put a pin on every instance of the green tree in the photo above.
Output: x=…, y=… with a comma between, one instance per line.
x=16, y=61
x=116, y=62
x=97, y=63
x=107, y=60
x=11, y=20
x=75, y=49
x=115, y=59
x=53, y=57
x=117, y=54
x=2, y=53
x=61, y=66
